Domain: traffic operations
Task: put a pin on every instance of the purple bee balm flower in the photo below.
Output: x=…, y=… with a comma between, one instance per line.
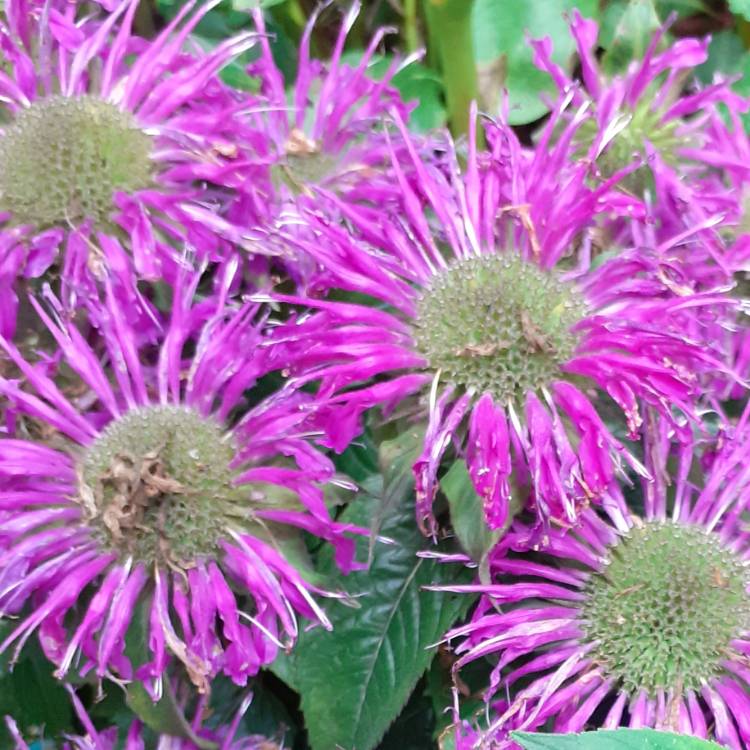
x=643, y=621
x=328, y=133
x=147, y=491
x=727, y=150
x=643, y=116
x=110, y=142
x=193, y=737
x=484, y=325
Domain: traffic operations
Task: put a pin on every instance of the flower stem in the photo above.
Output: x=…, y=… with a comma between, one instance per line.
x=743, y=31
x=411, y=33
x=145, y=24
x=449, y=26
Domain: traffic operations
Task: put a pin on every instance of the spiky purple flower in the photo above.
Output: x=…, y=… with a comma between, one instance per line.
x=156, y=487
x=118, y=151
x=330, y=133
x=489, y=322
x=639, y=621
x=193, y=737
x=644, y=117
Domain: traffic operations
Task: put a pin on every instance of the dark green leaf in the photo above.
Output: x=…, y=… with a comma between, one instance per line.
x=396, y=457
x=111, y=710
x=413, y=729
x=266, y=715
x=440, y=686
x=355, y=680
x=360, y=460
x=467, y=513
x=219, y=23
x=160, y=716
x=285, y=668
x=614, y=739
x=164, y=715
x=33, y=697
x=500, y=28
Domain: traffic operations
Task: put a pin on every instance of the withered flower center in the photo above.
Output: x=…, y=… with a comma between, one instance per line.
x=157, y=485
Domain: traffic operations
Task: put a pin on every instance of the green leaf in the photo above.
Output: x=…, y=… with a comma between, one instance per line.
x=216, y=26
x=355, y=680
x=160, y=716
x=740, y=8
x=33, y=697
x=612, y=739
x=441, y=683
x=727, y=55
x=219, y=23
x=627, y=30
x=500, y=28
x=396, y=458
x=266, y=715
x=467, y=513
x=245, y=5
x=360, y=460
x=415, y=82
x=233, y=73
x=413, y=729
x=284, y=667
x=164, y=716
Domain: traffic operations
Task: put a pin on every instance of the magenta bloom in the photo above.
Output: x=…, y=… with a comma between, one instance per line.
x=328, y=133
x=107, y=739
x=642, y=116
x=119, y=152
x=146, y=490
x=643, y=621
x=488, y=326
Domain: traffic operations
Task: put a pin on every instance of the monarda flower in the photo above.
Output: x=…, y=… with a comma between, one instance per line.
x=642, y=621
x=644, y=117
x=162, y=491
x=483, y=318
x=327, y=132
x=116, y=149
x=194, y=736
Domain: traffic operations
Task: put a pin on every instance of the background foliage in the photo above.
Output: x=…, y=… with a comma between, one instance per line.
x=378, y=680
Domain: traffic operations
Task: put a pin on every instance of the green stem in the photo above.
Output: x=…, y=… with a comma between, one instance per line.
x=449, y=27
x=144, y=23
x=411, y=33
x=743, y=31
x=165, y=716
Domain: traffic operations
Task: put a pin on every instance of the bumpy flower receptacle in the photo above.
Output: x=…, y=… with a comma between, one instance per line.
x=62, y=159
x=667, y=606
x=157, y=485
x=498, y=324
x=643, y=124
